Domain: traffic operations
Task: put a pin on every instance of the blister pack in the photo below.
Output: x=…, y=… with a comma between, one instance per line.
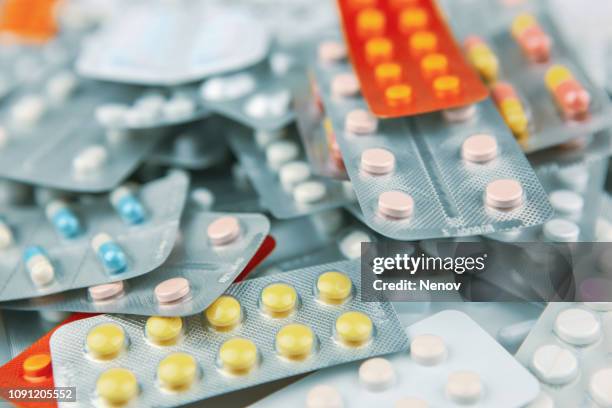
x=259, y=331
x=193, y=147
x=49, y=139
x=430, y=176
x=541, y=90
x=162, y=43
x=284, y=180
x=194, y=275
x=256, y=97
x=78, y=245
x=406, y=58
x=568, y=350
x=444, y=368
x=32, y=22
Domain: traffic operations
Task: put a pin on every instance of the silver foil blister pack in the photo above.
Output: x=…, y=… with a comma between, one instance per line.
x=448, y=192
x=282, y=177
x=208, y=269
x=72, y=367
x=73, y=261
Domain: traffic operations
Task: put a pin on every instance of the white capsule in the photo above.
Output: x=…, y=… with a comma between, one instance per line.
x=91, y=159
x=178, y=107
x=293, y=173
x=111, y=115
x=28, y=110
x=281, y=152
x=309, y=192
x=61, y=86
x=41, y=270
x=350, y=245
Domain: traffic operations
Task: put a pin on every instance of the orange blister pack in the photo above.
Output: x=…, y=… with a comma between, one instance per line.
x=32, y=20
x=31, y=369
x=406, y=58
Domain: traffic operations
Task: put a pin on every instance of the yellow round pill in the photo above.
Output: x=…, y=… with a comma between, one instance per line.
x=555, y=75
x=434, y=64
x=413, y=18
x=117, y=386
x=177, y=371
x=388, y=72
x=163, y=330
x=334, y=287
x=370, y=21
x=446, y=85
x=105, y=341
x=354, y=328
x=398, y=94
x=238, y=355
x=278, y=299
x=423, y=42
x=224, y=314
x=378, y=49
x=295, y=341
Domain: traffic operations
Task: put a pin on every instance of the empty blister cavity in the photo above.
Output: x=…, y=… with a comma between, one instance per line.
x=234, y=343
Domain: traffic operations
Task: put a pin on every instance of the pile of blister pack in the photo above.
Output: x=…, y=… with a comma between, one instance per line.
x=186, y=187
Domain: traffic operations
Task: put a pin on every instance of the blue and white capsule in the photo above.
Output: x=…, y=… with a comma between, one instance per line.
x=6, y=235
x=63, y=218
x=39, y=265
x=111, y=255
x=128, y=205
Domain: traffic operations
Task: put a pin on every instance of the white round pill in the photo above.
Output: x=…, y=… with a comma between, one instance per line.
x=360, y=122
x=331, y=51
x=178, y=107
x=111, y=115
x=428, y=349
x=265, y=137
x=395, y=204
x=324, y=396
x=90, y=159
x=504, y=194
x=560, y=230
x=600, y=387
x=41, y=272
x=377, y=161
x=542, y=401
x=575, y=177
x=213, y=89
x=461, y=114
x=350, y=245
x=3, y=137
x=464, y=387
x=376, y=374
x=203, y=198
x=61, y=86
x=554, y=365
x=28, y=110
x=566, y=202
x=309, y=192
x=599, y=306
x=577, y=327
x=257, y=106
x=345, y=85
x=293, y=173
x=479, y=148
x=410, y=402
x=281, y=152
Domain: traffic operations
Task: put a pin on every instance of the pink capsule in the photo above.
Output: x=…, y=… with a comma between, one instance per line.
x=502, y=91
x=535, y=43
x=572, y=99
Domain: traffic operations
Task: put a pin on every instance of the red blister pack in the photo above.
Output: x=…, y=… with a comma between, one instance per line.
x=31, y=20
x=31, y=370
x=265, y=249
x=406, y=58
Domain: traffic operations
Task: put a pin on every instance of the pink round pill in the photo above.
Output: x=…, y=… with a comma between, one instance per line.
x=395, y=204
x=224, y=230
x=479, y=148
x=345, y=85
x=360, y=122
x=106, y=291
x=172, y=290
x=504, y=194
x=377, y=161
x=331, y=51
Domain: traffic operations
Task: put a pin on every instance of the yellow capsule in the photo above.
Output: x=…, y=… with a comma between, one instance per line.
x=514, y=116
x=117, y=386
x=224, y=313
x=105, y=341
x=556, y=75
x=486, y=63
x=295, y=341
x=238, y=355
x=354, y=328
x=521, y=23
x=278, y=299
x=334, y=287
x=177, y=371
x=163, y=330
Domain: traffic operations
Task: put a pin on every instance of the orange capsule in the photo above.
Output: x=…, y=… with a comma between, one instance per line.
x=378, y=49
x=447, y=86
x=370, y=21
x=388, y=73
x=434, y=64
x=423, y=42
x=413, y=18
x=399, y=94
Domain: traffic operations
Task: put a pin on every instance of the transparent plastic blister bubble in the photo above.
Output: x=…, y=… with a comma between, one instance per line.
x=281, y=175
x=52, y=143
x=444, y=367
x=255, y=97
x=261, y=330
x=568, y=351
x=167, y=43
x=194, y=275
x=82, y=244
x=193, y=147
x=461, y=173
